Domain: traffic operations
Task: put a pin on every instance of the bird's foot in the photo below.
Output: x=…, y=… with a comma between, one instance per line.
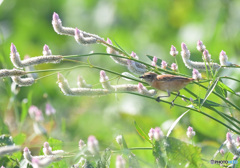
x=158, y=99
x=172, y=104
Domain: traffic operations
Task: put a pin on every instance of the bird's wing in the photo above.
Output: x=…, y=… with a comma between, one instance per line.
x=169, y=78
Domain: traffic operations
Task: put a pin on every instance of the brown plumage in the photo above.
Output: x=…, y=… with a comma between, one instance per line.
x=167, y=83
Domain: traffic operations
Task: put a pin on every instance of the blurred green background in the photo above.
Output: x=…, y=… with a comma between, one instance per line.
x=145, y=27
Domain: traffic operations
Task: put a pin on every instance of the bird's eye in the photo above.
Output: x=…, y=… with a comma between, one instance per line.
x=148, y=76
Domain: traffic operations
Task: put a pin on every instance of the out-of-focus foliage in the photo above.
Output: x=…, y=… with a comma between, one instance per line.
x=146, y=27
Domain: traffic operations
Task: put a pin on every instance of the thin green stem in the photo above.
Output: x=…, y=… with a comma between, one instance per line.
x=225, y=100
x=189, y=108
x=140, y=148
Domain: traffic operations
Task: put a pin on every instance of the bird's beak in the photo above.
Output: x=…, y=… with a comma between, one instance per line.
x=141, y=76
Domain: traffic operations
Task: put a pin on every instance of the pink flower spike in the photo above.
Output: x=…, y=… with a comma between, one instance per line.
x=134, y=55
x=13, y=48
x=151, y=134
x=102, y=74
x=26, y=149
x=222, y=152
x=196, y=74
x=55, y=16
x=140, y=86
x=154, y=62
x=46, y=50
x=174, y=67
x=155, y=59
x=222, y=53
x=164, y=65
x=45, y=47
x=49, y=109
x=46, y=145
x=173, y=51
x=229, y=137
x=120, y=162
x=190, y=132
x=199, y=43
x=238, y=140
x=206, y=56
x=93, y=145
x=81, y=144
x=200, y=46
x=184, y=47
x=158, y=134
x=77, y=32
x=109, y=41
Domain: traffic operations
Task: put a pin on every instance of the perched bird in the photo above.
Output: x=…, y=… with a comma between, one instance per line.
x=168, y=83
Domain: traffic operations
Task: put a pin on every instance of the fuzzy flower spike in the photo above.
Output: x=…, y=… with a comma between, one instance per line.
x=107, y=88
x=81, y=36
x=224, y=59
x=18, y=63
x=195, y=65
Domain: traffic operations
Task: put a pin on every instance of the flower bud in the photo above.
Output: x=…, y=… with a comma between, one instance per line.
x=222, y=152
x=49, y=110
x=174, y=67
x=173, y=51
x=46, y=50
x=164, y=65
x=196, y=74
x=154, y=62
x=224, y=59
x=81, y=144
x=47, y=150
x=206, y=56
x=151, y=134
x=92, y=144
x=27, y=154
x=120, y=162
x=238, y=141
x=190, y=132
x=200, y=46
x=158, y=134
x=119, y=139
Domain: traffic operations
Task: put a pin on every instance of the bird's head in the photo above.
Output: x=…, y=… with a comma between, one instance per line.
x=149, y=76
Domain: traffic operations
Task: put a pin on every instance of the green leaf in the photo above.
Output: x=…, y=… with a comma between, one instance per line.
x=225, y=87
x=221, y=91
x=105, y=158
x=19, y=139
x=180, y=154
x=159, y=153
x=3, y=127
x=208, y=103
x=55, y=143
x=209, y=91
x=141, y=132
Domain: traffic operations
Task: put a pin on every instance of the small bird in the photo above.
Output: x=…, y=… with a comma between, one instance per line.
x=167, y=83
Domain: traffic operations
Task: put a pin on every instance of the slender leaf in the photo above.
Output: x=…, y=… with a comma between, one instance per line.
x=210, y=90
x=124, y=143
x=141, y=132
x=223, y=86
x=209, y=103
x=175, y=122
